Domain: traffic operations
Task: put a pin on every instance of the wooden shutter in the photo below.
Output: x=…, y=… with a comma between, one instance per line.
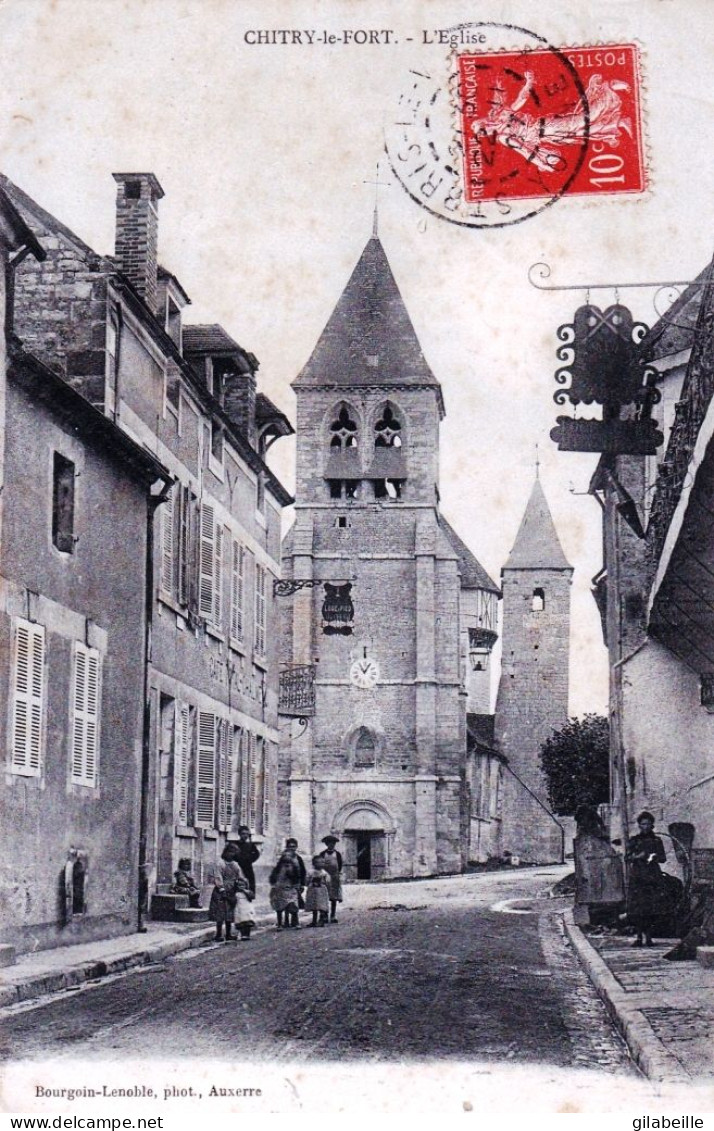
x=237, y=590
x=225, y=776
x=260, y=575
x=242, y=757
x=206, y=770
x=184, y=544
x=265, y=776
x=85, y=715
x=206, y=563
x=218, y=577
x=28, y=694
x=252, y=780
x=169, y=523
x=181, y=761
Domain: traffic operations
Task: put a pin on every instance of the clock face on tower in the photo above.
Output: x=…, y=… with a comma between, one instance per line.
x=365, y=672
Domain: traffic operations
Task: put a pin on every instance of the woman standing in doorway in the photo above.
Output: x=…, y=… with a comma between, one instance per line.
x=645, y=853
x=332, y=863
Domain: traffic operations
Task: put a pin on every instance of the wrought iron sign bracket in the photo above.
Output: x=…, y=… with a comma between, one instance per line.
x=289, y=586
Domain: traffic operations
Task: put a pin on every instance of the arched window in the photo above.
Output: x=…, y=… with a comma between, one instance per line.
x=388, y=430
x=538, y=601
x=388, y=472
x=365, y=748
x=343, y=430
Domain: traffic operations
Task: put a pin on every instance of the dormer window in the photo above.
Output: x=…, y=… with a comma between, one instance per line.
x=173, y=322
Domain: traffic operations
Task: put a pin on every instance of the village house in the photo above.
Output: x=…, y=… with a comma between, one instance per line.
x=656, y=595
x=73, y=648
x=112, y=328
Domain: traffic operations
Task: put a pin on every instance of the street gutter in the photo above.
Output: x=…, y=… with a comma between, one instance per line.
x=646, y=1049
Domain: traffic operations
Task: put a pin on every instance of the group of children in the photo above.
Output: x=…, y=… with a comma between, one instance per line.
x=234, y=886
x=322, y=886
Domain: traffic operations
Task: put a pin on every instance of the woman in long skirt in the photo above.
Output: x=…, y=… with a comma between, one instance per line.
x=332, y=863
x=645, y=853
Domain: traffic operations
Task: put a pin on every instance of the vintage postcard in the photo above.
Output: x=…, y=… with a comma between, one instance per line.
x=356, y=559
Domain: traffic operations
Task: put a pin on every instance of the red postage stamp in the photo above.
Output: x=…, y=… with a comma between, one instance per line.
x=551, y=122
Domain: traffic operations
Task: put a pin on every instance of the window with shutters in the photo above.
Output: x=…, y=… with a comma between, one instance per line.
x=237, y=590
x=206, y=770
x=252, y=780
x=170, y=521
x=266, y=786
x=207, y=561
x=27, y=698
x=241, y=758
x=182, y=761
x=225, y=775
x=218, y=580
x=86, y=700
x=260, y=610
x=63, y=472
x=184, y=543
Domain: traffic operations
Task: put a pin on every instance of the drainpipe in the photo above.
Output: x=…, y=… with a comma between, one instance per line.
x=153, y=502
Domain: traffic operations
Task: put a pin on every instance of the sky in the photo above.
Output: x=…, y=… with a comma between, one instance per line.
x=263, y=152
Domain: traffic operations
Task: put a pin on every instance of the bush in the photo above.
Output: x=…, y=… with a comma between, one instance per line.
x=576, y=763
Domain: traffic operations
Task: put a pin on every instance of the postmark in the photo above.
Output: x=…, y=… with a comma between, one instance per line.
x=488, y=136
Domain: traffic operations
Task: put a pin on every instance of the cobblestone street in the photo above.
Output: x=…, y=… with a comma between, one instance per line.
x=465, y=968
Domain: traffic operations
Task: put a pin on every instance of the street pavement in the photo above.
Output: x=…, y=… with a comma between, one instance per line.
x=467, y=968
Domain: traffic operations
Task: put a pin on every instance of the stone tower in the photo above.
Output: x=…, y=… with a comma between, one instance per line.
x=371, y=612
x=533, y=693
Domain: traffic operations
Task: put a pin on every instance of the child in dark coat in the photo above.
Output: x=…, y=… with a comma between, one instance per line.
x=184, y=883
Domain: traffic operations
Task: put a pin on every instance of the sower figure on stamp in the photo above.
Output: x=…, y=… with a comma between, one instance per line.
x=645, y=853
x=231, y=898
x=317, y=898
x=332, y=863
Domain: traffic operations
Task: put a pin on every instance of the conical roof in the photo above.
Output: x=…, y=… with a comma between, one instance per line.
x=537, y=545
x=369, y=338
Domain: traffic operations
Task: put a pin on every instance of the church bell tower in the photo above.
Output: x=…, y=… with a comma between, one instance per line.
x=373, y=613
x=533, y=692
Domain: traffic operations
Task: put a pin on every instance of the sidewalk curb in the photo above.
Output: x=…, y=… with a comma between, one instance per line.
x=40, y=985
x=646, y=1049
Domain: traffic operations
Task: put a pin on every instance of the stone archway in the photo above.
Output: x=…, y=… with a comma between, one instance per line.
x=366, y=830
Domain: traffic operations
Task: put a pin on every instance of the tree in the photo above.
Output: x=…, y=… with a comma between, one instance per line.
x=576, y=762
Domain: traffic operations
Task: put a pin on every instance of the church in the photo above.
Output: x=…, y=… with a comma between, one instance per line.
x=388, y=620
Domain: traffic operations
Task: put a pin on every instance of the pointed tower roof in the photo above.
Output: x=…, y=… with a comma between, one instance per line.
x=537, y=545
x=369, y=338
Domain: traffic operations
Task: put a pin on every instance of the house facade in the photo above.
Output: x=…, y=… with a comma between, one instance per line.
x=656, y=595
x=73, y=651
x=112, y=328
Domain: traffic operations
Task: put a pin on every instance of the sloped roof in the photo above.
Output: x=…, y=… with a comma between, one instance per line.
x=675, y=330
x=537, y=545
x=473, y=575
x=369, y=338
x=213, y=339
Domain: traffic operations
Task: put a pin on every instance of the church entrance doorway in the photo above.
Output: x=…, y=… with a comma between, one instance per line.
x=365, y=854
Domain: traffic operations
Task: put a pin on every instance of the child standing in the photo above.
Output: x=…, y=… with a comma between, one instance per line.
x=231, y=898
x=317, y=898
x=285, y=889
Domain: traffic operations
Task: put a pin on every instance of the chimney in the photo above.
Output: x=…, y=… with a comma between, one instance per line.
x=137, y=231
